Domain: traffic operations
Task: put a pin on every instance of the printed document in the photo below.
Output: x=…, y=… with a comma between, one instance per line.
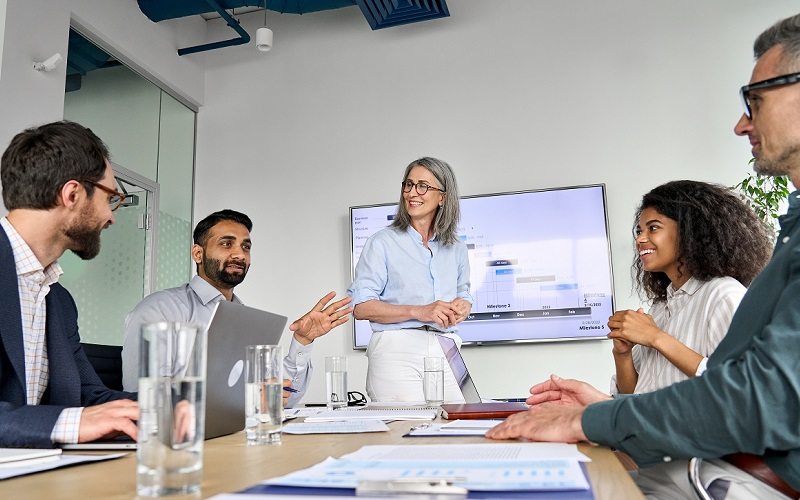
x=477, y=467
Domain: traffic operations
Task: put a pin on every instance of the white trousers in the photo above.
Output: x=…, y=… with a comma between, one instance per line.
x=395, y=367
x=670, y=481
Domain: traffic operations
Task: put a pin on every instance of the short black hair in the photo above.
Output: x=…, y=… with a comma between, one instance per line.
x=718, y=235
x=203, y=227
x=40, y=160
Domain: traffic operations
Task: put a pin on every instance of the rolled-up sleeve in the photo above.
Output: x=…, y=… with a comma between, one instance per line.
x=371, y=273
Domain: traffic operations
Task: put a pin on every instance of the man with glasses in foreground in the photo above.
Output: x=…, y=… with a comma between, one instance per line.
x=59, y=189
x=221, y=253
x=749, y=398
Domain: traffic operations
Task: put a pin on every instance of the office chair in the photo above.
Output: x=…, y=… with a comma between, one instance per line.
x=107, y=362
x=694, y=479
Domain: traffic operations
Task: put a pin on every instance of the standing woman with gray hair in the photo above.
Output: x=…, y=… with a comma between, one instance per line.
x=412, y=283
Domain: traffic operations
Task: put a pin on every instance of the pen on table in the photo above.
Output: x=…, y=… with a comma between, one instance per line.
x=291, y=389
x=516, y=400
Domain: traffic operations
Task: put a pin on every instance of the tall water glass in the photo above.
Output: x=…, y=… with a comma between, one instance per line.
x=336, y=382
x=263, y=414
x=433, y=380
x=172, y=373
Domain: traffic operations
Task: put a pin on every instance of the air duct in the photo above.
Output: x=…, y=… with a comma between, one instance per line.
x=378, y=13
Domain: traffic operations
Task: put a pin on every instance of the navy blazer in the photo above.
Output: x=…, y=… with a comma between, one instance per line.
x=73, y=382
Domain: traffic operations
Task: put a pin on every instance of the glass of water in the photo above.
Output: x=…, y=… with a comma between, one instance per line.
x=336, y=382
x=172, y=372
x=263, y=394
x=433, y=380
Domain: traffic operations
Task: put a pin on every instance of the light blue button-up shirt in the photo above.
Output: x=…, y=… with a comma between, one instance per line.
x=194, y=303
x=396, y=268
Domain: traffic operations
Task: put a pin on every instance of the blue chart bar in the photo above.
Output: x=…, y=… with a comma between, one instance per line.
x=538, y=313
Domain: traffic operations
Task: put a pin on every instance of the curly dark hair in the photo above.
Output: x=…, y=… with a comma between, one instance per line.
x=718, y=235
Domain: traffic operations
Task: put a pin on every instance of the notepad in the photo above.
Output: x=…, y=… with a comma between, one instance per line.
x=481, y=410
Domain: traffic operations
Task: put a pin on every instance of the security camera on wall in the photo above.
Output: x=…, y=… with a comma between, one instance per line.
x=49, y=64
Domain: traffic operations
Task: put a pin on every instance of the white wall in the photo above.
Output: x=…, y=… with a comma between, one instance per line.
x=514, y=94
x=2, y=30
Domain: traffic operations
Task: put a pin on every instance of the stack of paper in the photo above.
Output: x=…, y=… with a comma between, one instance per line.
x=388, y=414
x=21, y=457
x=338, y=427
x=18, y=462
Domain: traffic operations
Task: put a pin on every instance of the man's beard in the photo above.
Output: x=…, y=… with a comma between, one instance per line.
x=782, y=165
x=219, y=274
x=86, y=239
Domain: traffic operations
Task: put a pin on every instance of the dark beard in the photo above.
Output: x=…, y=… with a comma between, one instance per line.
x=217, y=273
x=86, y=239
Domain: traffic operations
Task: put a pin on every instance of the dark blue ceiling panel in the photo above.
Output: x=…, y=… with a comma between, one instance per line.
x=386, y=13
x=160, y=10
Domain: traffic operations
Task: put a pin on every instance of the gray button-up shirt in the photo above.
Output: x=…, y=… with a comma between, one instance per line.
x=194, y=303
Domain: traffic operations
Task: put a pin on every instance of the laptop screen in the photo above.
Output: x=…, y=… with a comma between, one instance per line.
x=459, y=369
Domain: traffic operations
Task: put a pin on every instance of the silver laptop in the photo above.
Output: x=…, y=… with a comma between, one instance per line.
x=232, y=328
x=459, y=368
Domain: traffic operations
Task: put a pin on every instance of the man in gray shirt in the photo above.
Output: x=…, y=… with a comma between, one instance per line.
x=221, y=252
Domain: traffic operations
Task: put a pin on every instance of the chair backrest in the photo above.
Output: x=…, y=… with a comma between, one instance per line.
x=107, y=362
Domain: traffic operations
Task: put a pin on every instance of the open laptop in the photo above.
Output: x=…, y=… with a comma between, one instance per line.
x=473, y=407
x=232, y=327
x=459, y=368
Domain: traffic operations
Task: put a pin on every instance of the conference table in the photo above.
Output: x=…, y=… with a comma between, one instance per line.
x=230, y=465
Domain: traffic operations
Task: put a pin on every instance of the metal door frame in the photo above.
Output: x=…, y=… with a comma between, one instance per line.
x=152, y=212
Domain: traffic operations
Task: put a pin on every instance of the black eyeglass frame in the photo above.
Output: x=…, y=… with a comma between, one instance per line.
x=744, y=92
x=113, y=204
x=407, y=185
x=355, y=398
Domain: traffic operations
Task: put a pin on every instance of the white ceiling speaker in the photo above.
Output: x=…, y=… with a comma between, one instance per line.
x=264, y=39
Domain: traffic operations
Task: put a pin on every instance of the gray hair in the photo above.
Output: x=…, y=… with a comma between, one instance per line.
x=786, y=34
x=445, y=224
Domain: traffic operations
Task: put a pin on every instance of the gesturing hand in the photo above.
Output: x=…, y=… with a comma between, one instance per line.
x=320, y=319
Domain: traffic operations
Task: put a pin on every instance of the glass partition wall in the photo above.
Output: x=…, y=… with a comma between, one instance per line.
x=150, y=136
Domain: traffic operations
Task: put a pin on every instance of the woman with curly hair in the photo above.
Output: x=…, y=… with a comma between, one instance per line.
x=698, y=247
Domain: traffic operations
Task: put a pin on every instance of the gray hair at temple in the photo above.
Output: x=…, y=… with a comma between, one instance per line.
x=786, y=34
x=445, y=224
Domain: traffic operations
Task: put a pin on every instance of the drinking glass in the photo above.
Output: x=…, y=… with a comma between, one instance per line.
x=336, y=382
x=433, y=380
x=263, y=394
x=172, y=372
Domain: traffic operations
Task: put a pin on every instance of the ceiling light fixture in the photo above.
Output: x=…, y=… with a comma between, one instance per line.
x=264, y=35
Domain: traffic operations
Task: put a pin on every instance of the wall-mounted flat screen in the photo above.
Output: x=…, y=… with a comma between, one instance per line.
x=540, y=264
